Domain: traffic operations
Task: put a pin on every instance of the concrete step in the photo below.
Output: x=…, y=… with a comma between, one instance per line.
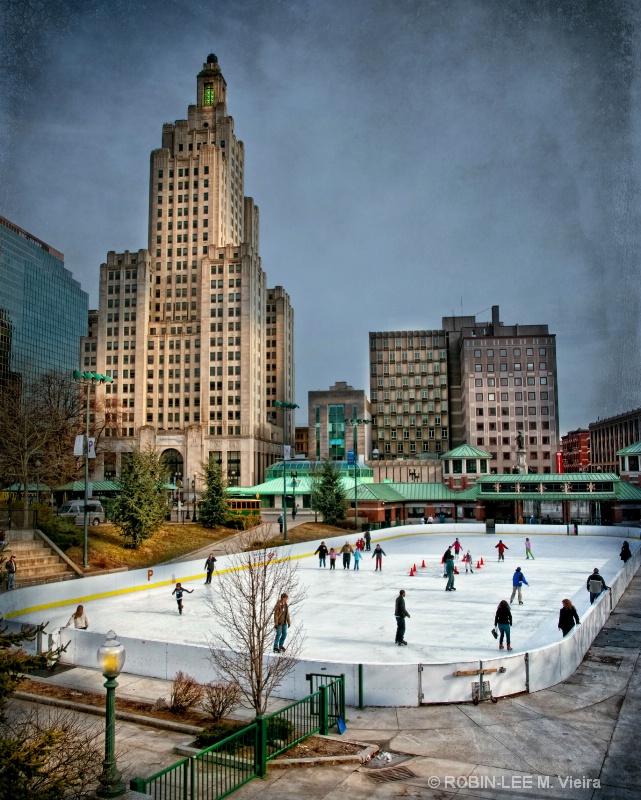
x=41, y=560
x=20, y=535
x=25, y=547
x=49, y=569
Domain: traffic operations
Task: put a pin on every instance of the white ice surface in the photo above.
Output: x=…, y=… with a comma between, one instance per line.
x=349, y=615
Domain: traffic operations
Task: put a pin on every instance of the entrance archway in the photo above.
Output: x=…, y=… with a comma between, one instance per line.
x=173, y=462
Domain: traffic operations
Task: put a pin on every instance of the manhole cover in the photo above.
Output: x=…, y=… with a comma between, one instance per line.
x=392, y=774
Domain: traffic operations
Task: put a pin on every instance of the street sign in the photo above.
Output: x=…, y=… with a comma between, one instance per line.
x=350, y=458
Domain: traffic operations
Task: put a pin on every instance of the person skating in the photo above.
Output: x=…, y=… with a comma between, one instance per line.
x=79, y=619
x=347, y=551
x=625, y=554
x=518, y=579
x=457, y=548
x=368, y=540
x=333, y=555
x=322, y=554
x=209, y=567
x=503, y=621
x=595, y=585
x=467, y=559
x=501, y=548
x=281, y=623
x=528, y=549
x=357, y=557
x=178, y=591
x=378, y=555
x=11, y=568
x=400, y=612
x=567, y=617
x=449, y=570
x=446, y=556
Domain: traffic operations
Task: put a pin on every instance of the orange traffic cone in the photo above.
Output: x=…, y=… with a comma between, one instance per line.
x=411, y=573
x=456, y=570
x=478, y=565
x=423, y=564
x=414, y=568
x=482, y=562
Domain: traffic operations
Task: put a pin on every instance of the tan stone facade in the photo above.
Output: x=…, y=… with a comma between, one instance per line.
x=329, y=436
x=187, y=343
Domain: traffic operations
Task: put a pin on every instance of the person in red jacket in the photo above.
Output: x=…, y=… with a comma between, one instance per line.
x=501, y=548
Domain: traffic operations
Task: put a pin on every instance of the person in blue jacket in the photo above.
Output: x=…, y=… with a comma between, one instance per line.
x=518, y=579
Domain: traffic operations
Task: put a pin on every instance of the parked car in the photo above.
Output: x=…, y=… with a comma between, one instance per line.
x=76, y=510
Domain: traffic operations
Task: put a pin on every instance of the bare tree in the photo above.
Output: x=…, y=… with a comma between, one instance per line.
x=242, y=647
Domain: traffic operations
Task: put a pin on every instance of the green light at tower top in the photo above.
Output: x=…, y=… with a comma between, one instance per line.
x=210, y=94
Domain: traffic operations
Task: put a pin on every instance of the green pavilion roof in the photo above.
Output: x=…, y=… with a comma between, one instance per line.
x=465, y=451
x=630, y=450
x=437, y=492
x=97, y=486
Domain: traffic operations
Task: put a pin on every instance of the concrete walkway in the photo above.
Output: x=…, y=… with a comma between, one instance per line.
x=550, y=744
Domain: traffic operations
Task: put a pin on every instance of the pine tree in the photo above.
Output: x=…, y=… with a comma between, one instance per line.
x=328, y=495
x=213, y=508
x=139, y=509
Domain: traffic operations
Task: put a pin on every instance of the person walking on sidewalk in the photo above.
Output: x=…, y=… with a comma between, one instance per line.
x=449, y=571
x=347, y=551
x=357, y=557
x=332, y=558
x=78, y=619
x=518, y=579
x=280, y=523
x=178, y=591
x=11, y=568
x=322, y=554
x=501, y=548
x=528, y=550
x=400, y=612
x=503, y=621
x=595, y=585
x=209, y=566
x=378, y=555
x=281, y=623
x=567, y=617
x=368, y=540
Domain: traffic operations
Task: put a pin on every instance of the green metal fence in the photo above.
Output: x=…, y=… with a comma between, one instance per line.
x=218, y=770
x=335, y=694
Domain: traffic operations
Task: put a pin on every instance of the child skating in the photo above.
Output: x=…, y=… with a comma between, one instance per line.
x=467, y=559
x=178, y=591
x=528, y=550
x=357, y=559
x=501, y=548
x=457, y=548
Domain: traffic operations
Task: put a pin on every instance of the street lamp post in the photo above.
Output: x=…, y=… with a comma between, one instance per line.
x=111, y=659
x=355, y=424
x=289, y=407
x=193, y=495
x=88, y=379
x=294, y=477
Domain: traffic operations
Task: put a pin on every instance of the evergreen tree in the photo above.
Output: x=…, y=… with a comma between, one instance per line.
x=328, y=495
x=213, y=508
x=139, y=509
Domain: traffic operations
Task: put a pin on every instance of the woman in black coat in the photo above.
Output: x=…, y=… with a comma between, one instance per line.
x=625, y=552
x=503, y=621
x=567, y=617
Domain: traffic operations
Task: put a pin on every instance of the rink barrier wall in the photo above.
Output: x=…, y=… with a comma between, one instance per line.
x=384, y=684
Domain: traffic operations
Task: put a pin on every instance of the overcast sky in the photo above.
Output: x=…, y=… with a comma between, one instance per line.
x=411, y=159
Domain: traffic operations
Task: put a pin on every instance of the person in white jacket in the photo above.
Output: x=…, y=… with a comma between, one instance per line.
x=79, y=619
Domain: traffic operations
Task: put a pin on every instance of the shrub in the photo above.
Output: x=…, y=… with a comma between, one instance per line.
x=62, y=532
x=219, y=731
x=220, y=699
x=185, y=693
x=279, y=728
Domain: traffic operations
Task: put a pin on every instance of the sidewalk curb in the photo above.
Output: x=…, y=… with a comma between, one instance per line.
x=125, y=716
x=357, y=758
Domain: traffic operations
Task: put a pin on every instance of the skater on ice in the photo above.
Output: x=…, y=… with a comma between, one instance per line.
x=322, y=554
x=178, y=591
x=528, y=550
x=567, y=617
x=400, y=612
x=281, y=622
x=449, y=571
x=457, y=548
x=595, y=585
x=501, y=548
x=467, y=559
x=503, y=621
x=378, y=555
x=209, y=567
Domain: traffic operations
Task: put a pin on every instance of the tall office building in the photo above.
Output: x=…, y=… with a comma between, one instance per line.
x=43, y=310
x=503, y=383
x=188, y=328
x=480, y=383
x=409, y=393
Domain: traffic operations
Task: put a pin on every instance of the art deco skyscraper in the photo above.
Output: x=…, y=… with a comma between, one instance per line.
x=193, y=309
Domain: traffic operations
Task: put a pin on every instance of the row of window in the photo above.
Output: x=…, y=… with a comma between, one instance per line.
x=416, y=355
x=507, y=440
x=183, y=171
x=505, y=396
x=516, y=352
x=404, y=433
x=411, y=341
x=129, y=274
x=516, y=367
x=505, y=426
x=529, y=381
x=518, y=410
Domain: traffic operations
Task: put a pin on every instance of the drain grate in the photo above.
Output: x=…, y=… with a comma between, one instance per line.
x=393, y=774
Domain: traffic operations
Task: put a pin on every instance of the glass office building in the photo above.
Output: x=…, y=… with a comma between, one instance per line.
x=43, y=310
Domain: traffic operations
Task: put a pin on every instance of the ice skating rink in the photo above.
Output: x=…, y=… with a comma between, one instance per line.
x=349, y=615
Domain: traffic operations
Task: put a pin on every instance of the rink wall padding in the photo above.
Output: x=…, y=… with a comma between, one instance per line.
x=384, y=684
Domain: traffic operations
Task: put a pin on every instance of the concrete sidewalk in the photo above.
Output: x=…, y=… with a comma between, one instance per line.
x=550, y=744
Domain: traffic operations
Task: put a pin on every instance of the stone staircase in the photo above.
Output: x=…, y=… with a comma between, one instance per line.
x=37, y=562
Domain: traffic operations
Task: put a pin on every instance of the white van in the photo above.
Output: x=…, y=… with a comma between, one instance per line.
x=76, y=510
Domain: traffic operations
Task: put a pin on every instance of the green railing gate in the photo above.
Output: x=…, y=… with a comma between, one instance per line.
x=218, y=770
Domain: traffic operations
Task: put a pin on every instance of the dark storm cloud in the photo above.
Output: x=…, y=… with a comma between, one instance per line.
x=410, y=160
